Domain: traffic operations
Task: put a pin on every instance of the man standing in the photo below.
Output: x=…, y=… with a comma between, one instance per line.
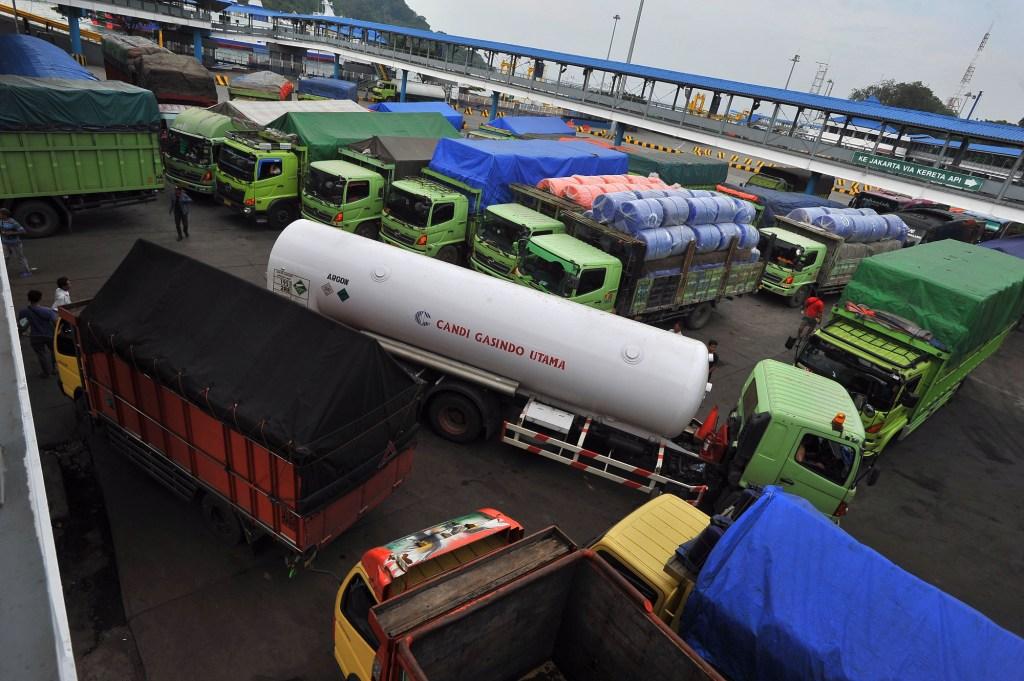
x=712, y=356
x=62, y=295
x=38, y=322
x=814, y=308
x=10, y=235
x=180, y=205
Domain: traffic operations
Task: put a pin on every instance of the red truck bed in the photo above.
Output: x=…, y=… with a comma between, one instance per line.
x=297, y=474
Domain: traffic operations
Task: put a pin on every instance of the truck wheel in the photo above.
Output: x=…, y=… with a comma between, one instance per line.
x=449, y=254
x=221, y=519
x=281, y=214
x=798, y=298
x=699, y=316
x=39, y=219
x=454, y=417
x=369, y=230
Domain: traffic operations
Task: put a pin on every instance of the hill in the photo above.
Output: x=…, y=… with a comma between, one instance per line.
x=381, y=11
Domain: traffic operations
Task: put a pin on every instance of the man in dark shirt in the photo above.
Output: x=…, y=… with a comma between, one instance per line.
x=38, y=322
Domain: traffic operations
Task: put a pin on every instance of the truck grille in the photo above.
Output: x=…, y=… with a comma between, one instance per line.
x=326, y=218
x=491, y=263
x=772, y=278
x=397, y=236
x=229, y=192
x=191, y=175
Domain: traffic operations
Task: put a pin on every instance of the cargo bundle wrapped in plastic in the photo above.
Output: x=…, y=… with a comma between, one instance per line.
x=810, y=214
x=608, y=208
x=673, y=240
x=709, y=210
x=584, y=194
x=863, y=228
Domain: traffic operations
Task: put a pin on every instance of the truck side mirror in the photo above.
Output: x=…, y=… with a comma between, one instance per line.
x=909, y=399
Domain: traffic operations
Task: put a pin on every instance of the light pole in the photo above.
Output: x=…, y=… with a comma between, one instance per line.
x=795, y=60
x=636, y=28
x=976, y=98
x=610, y=43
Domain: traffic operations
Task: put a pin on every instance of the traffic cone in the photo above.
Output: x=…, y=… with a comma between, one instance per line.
x=709, y=425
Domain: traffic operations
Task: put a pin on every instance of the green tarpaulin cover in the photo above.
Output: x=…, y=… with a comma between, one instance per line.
x=685, y=169
x=203, y=123
x=324, y=134
x=965, y=295
x=48, y=104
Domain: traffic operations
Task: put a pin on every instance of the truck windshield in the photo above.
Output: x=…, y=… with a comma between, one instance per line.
x=409, y=208
x=857, y=375
x=548, y=272
x=785, y=254
x=500, y=233
x=188, y=148
x=325, y=186
x=237, y=164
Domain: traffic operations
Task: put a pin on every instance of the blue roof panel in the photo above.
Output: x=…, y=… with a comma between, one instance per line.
x=836, y=105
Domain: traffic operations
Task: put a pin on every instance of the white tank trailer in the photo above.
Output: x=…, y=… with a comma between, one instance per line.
x=507, y=339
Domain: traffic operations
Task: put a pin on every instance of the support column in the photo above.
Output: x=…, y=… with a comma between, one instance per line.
x=618, y=132
x=337, y=67
x=72, y=14
x=405, y=81
x=494, y=105
x=197, y=44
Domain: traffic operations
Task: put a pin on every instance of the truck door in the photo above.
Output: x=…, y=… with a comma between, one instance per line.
x=358, y=204
x=591, y=289
x=821, y=469
x=66, y=355
x=270, y=180
x=354, y=642
x=443, y=225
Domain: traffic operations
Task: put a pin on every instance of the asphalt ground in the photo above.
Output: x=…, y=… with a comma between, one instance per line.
x=947, y=506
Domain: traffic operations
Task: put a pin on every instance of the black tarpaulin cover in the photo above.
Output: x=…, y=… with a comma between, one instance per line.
x=409, y=155
x=321, y=394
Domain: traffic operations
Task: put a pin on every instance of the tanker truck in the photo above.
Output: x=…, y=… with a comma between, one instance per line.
x=591, y=390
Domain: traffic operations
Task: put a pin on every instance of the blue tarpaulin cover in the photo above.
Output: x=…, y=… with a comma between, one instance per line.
x=23, y=55
x=521, y=126
x=1013, y=245
x=452, y=116
x=490, y=165
x=329, y=88
x=788, y=596
x=781, y=203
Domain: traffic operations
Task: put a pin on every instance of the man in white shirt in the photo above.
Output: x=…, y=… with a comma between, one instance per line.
x=62, y=296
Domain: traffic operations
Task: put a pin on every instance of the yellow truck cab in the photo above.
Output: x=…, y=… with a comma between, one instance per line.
x=402, y=565
x=640, y=545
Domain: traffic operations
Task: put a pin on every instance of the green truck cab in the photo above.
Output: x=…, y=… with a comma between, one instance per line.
x=495, y=243
x=193, y=143
x=344, y=195
x=796, y=430
x=564, y=266
x=688, y=286
x=258, y=175
x=430, y=214
x=350, y=193
x=807, y=260
x=911, y=326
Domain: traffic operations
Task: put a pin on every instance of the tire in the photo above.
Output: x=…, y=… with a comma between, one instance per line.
x=281, y=214
x=699, y=316
x=798, y=298
x=39, y=218
x=449, y=254
x=221, y=519
x=455, y=418
x=369, y=230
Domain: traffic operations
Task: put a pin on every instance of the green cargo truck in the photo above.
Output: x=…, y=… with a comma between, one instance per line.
x=604, y=268
x=439, y=217
x=350, y=193
x=695, y=172
x=192, y=145
x=911, y=326
x=792, y=180
x=259, y=173
x=494, y=247
x=69, y=145
x=808, y=260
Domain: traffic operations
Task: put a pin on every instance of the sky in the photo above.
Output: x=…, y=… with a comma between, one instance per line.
x=754, y=40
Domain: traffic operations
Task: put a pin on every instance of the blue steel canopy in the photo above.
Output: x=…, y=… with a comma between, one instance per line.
x=836, y=105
